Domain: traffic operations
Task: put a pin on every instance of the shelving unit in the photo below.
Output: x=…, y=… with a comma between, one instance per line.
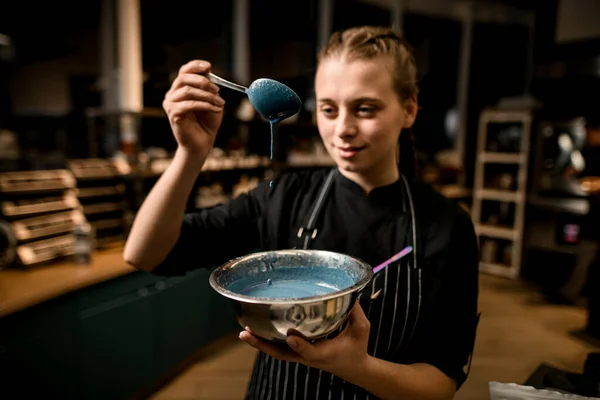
x=101, y=193
x=503, y=145
x=42, y=209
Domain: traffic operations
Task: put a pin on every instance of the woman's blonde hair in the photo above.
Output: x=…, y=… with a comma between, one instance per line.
x=369, y=42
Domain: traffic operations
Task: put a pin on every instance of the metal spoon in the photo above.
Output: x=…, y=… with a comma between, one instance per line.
x=272, y=99
x=220, y=81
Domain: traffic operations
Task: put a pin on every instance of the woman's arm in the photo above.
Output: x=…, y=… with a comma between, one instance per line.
x=158, y=222
x=195, y=112
x=390, y=381
x=346, y=357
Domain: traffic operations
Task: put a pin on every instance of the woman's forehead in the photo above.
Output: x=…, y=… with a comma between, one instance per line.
x=338, y=77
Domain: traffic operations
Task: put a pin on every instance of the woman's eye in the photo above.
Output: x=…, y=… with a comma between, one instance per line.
x=366, y=110
x=327, y=110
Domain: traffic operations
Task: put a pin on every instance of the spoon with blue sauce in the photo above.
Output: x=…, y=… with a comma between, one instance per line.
x=273, y=100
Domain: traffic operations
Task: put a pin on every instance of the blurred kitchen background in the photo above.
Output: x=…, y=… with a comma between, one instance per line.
x=509, y=92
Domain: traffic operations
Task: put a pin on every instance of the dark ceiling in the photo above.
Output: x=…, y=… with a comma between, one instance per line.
x=41, y=30
x=49, y=29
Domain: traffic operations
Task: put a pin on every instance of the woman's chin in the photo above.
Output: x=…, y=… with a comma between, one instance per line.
x=349, y=166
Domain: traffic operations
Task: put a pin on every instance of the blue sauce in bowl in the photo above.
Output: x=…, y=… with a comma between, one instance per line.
x=286, y=289
x=292, y=283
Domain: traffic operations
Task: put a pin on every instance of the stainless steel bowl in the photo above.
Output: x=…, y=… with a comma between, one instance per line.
x=273, y=318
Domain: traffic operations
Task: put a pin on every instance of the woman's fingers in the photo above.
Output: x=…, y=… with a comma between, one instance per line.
x=358, y=321
x=191, y=92
x=195, y=67
x=178, y=110
x=186, y=93
x=194, y=80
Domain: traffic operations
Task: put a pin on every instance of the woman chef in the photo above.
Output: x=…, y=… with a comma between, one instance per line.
x=413, y=337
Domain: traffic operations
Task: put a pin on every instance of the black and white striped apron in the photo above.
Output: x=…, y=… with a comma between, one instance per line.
x=394, y=315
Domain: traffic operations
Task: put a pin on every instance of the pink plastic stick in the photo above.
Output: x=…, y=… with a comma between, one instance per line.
x=398, y=256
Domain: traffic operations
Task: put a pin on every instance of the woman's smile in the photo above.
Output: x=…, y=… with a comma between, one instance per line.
x=348, y=152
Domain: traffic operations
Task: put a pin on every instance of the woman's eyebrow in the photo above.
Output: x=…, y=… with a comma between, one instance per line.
x=357, y=100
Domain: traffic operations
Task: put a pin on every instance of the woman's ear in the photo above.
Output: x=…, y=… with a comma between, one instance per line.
x=411, y=107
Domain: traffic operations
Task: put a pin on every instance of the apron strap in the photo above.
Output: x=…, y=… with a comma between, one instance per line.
x=414, y=272
x=415, y=238
x=309, y=232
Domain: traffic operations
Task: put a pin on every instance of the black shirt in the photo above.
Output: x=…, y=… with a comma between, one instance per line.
x=425, y=313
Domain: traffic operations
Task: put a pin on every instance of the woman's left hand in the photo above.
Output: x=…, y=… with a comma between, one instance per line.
x=340, y=356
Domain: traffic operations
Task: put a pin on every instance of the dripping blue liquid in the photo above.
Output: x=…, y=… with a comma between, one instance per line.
x=272, y=126
x=272, y=123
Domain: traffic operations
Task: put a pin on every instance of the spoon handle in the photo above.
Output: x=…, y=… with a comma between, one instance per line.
x=396, y=257
x=220, y=81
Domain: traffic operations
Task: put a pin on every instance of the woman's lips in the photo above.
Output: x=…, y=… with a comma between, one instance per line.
x=349, y=152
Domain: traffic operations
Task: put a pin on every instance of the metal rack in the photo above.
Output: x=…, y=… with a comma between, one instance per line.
x=494, y=237
x=42, y=209
x=101, y=191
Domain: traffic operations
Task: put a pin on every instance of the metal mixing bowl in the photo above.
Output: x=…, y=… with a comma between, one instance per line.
x=273, y=318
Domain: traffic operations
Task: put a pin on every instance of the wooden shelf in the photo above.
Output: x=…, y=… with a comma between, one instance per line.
x=496, y=232
x=499, y=195
x=518, y=197
x=502, y=158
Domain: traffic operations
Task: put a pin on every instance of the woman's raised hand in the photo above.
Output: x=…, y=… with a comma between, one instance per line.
x=194, y=108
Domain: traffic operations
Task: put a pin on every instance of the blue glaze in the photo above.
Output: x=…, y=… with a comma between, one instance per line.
x=273, y=100
x=272, y=126
x=287, y=289
x=292, y=282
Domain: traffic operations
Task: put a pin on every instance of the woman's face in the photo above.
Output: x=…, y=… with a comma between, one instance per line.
x=360, y=116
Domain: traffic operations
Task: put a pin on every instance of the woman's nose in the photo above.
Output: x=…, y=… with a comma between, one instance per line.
x=345, y=125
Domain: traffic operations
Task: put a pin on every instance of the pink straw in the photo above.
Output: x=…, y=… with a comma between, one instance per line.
x=398, y=256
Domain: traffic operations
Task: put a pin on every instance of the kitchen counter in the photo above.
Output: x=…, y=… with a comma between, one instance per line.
x=579, y=206
x=63, y=325
x=24, y=287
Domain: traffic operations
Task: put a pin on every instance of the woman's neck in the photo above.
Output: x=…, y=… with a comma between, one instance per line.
x=369, y=180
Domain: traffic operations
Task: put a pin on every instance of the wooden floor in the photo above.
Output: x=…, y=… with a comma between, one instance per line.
x=517, y=332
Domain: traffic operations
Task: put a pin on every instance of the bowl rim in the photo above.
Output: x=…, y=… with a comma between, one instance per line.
x=300, y=300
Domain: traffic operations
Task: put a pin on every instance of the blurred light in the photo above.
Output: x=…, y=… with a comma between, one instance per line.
x=565, y=143
x=451, y=123
x=245, y=111
x=577, y=160
x=5, y=40
x=7, y=50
